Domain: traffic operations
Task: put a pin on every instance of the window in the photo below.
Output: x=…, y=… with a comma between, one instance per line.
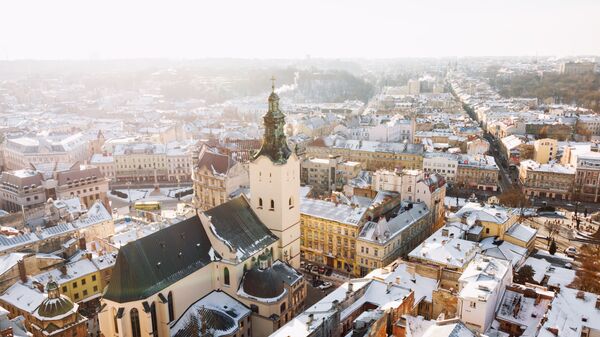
x=282, y=307
x=487, y=231
x=226, y=276
x=272, y=204
x=85, y=292
x=135, y=322
x=95, y=289
x=290, y=202
x=260, y=204
x=154, y=320
x=74, y=284
x=473, y=305
x=82, y=281
x=115, y=320
x=93, y=277
x=64, y=289
x=171, y=307
x=76, y=295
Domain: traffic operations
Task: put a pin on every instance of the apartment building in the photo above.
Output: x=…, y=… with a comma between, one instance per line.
x=553, y=181
x=326, y=175
x=477, y=172
x=20, y=153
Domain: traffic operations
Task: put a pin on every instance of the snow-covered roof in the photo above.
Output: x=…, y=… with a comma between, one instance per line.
x=329, y=210
x=521, y=232
x=444, y=247
x=572, y=310
x=482, y=277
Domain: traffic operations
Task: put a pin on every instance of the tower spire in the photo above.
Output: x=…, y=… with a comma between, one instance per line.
x=273, y=83
x=274, y=144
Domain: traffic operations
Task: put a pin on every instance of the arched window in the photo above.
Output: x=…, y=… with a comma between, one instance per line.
x=260, y=202
x=171, y=310
x=290, y=202
x=154, y=319
x=226, y=276
x=282, y=307
x=135, y=322
x=272, y=204
x=116, y=322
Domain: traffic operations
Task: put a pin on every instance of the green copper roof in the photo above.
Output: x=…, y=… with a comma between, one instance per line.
x=274, y=144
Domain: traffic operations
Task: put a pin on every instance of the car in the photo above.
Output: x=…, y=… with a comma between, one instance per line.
x=571, y=251
x=325, y=285
x=321, y=270
x=308, y=266
x=314, y=269
x=568, y=265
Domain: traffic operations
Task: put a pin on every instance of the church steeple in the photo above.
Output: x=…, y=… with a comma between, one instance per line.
x=274, y=144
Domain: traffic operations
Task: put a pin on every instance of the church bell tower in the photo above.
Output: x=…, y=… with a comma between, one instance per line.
x=275, y=184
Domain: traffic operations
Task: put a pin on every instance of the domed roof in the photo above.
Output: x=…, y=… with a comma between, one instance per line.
x=263, y=284
x=53, y=307
x=55, y=304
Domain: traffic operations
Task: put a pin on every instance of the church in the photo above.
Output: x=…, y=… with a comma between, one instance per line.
x=227, y=271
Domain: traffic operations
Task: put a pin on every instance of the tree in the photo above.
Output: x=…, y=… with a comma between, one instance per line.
x=553, y=228
x=552, y=248
x=588, y=275
x=525, y=275
x=514, y=197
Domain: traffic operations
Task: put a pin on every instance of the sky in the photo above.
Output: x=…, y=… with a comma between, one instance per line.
x=109, y=29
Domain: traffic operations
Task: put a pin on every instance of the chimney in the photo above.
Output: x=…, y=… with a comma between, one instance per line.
x=63, y=270
x=553, y=330
x=458, y=246
x=598, y=303
x=350, y=287
x=82, y=243
x=388, y=287
x=22, y=271
x=311, y=317
x=398, y=280
x=39, y=287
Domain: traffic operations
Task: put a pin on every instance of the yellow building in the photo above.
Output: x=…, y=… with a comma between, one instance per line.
x=372, y=155
x=328, y=233
x=544, y=150
x=495, y=220
x=82, y=280
x=553, y=181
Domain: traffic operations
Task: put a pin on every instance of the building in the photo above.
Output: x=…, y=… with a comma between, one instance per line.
x=476, y=147
x=140, y=162
x=477, y=172
x=487, y=220
x=329, y=231
x=381, y=242
x=545, y=150
x=20, y=153
x=28, y=190
x=577, y=68
x=216, y=311
x=552, y=181
x=510, y=147
x=217, y=178
x=443, y=163
x=372, y=155
x=326, y=175
x=522, y=309
x=51, y=314
x=481, y=286
x=106, y=165
x=587, y=177
x=246, y=248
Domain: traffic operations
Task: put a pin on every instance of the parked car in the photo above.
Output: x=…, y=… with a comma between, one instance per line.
x=571, y=251
x=326, y=285
x=314, y=269
x=308, y=266
x=321, y=270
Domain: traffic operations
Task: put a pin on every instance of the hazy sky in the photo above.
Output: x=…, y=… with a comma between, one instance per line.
x=49, y=29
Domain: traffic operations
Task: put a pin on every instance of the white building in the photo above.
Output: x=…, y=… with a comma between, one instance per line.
x=445, y=164
x=481, y=286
